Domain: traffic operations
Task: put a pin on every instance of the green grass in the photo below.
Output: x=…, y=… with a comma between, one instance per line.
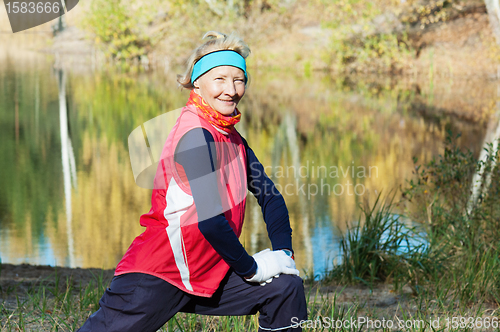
x=52, y=304
x=57, y=306
x=41, y=310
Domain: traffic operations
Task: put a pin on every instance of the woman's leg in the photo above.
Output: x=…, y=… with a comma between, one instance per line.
x=278, y=302
x=136, y=302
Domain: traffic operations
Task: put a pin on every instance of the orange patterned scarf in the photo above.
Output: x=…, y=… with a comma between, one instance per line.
x=220, y=121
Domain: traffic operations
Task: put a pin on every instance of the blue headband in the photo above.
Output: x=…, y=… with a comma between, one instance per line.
x=216, y=59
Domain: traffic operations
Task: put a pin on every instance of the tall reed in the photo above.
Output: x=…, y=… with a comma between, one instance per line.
x=380, y=247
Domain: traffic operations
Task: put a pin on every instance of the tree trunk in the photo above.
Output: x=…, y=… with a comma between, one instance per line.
x=493, y=9
x=480, y=188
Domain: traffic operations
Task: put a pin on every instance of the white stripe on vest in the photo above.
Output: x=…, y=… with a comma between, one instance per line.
x=177, y=204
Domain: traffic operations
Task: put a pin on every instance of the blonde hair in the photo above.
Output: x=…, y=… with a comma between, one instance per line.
x=217, y=41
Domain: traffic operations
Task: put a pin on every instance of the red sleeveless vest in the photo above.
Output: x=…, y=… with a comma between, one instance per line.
x=172, y=247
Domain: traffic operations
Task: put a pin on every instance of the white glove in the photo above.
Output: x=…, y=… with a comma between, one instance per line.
x=271, y=264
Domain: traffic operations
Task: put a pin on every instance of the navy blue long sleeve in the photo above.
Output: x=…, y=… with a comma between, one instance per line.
x=271, y=202
x=199, y=162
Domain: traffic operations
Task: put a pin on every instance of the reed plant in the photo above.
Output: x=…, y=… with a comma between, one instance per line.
x=381, y=246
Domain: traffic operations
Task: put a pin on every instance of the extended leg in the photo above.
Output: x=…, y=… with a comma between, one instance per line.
x=135, y=302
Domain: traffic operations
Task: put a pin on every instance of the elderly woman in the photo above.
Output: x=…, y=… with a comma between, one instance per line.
x=190, y=259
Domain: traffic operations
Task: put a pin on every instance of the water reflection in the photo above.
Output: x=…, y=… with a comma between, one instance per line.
x=30, y=150
x=68, y=195
x=68, y=164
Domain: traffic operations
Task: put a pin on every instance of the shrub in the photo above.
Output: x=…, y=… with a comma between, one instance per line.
x=119, y=29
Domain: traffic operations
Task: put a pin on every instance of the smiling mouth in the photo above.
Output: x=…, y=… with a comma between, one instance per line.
x=226, y=101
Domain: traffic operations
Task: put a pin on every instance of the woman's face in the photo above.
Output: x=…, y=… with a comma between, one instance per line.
x=222, y=88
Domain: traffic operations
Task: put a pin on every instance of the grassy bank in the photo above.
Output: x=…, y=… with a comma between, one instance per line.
x=441, y=275
x=452, y=270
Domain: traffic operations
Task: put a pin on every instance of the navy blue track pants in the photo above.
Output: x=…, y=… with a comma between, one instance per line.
x=138, y=302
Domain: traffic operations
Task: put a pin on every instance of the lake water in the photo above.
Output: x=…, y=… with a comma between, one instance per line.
x=68, y=196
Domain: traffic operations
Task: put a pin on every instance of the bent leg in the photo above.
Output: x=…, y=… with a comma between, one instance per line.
x=135, y=302
x=278, y=302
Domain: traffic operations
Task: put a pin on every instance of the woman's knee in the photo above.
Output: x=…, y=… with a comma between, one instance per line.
x=287, y=284
x=285, y=300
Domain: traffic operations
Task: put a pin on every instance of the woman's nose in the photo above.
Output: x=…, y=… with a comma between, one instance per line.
x=230, y=89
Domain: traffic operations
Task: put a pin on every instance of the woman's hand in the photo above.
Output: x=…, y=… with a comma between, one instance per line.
x=270, y=264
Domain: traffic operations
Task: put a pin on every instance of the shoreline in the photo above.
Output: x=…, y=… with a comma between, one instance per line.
x=25, y=277
x=381, y=302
